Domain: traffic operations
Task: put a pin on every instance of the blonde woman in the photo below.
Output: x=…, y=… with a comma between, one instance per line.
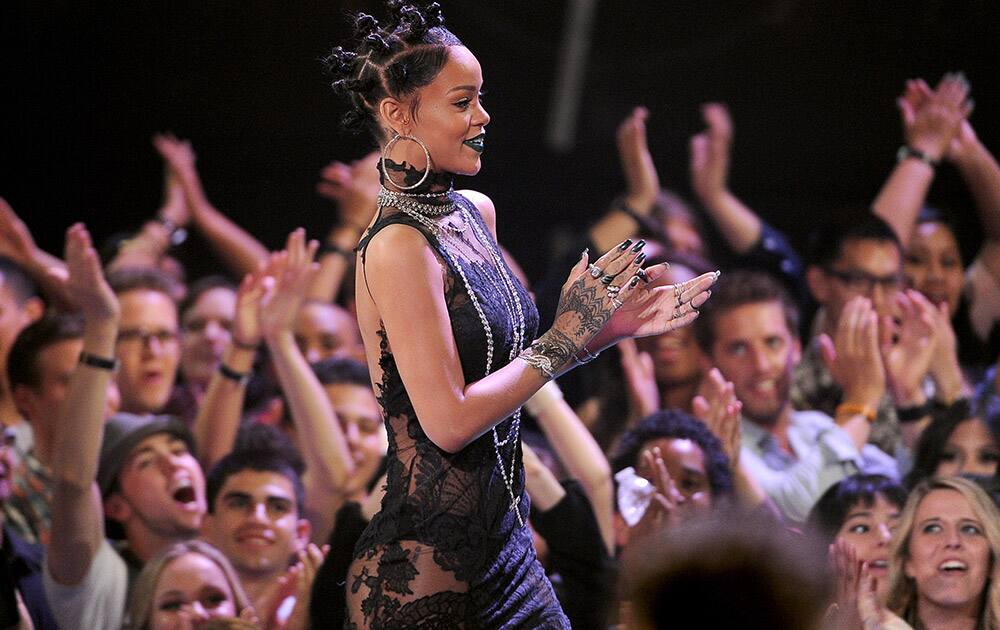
x=187, y=585
x=945, y=561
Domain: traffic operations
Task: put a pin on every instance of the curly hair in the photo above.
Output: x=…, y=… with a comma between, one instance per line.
x=673, y=423
x=393, y=60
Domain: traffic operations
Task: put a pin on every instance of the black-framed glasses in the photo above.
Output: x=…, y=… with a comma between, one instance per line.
x=864, y=282
x=143, y=336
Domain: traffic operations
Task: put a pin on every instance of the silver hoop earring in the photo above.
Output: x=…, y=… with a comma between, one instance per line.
x=385, y=152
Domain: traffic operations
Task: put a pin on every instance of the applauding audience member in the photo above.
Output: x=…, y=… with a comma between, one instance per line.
x=748, y=331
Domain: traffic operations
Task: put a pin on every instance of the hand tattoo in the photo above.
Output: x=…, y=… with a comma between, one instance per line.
x=588, y=305
x=549, y=353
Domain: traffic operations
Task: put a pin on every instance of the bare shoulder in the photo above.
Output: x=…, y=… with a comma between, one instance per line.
x=398, y=247
x=485, y=206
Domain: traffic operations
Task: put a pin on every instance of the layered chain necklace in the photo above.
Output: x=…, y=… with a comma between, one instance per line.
x=421, y=211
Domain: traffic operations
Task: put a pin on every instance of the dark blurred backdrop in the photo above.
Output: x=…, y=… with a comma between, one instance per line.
x=811, y=85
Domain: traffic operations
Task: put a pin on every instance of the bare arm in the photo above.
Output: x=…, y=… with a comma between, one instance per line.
x=710, y=153
x=641, y=178
x=578, y=452
x=930, y=121
x=324, y=447
x=981, y=173
x=354, y=188
x=218, y=418
x=237, y=248
x=17, y=244
x=77, y=516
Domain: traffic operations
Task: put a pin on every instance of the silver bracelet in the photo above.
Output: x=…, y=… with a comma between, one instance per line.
x=587, y=359
x=540, y=362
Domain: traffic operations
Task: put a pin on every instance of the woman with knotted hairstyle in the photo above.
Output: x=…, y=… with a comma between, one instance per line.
x=451, y=342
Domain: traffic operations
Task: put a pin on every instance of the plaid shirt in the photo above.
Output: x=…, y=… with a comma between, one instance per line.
x=27, y=510
x=813, y=387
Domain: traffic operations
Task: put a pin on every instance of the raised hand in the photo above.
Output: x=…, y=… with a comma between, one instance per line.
x=297, y=581
x=354, y=187
x=710, y=151
x=655, y=308
x=16, y=241
x=86, y=287
x=174, y=208
x=874, y=615
x=944, y=366
x=931, y=119
x=637, y=163
x=853, y=355
x=846, y=569
x=292, y=269
x=640, y=379
x=716, y=405
x=246, y=319
x=662, y=511
x=908, y=358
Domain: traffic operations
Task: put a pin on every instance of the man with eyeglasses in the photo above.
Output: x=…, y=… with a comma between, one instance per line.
x=855, y=256
x=148, y=347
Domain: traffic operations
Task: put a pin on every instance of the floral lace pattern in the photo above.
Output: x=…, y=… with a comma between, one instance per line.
x=446, y=550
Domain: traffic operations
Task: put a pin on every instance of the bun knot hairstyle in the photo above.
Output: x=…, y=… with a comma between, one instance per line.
x=391, y=60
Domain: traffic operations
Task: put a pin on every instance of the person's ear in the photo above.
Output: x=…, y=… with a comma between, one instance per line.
x=24, y=401
x=303, y=529
x=819, y=284
x=117, y=508
x=394, y=115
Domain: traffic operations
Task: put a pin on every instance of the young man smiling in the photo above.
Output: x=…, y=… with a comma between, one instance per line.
x=748, y=331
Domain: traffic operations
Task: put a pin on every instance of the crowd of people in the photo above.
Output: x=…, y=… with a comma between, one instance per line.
x=818, y=449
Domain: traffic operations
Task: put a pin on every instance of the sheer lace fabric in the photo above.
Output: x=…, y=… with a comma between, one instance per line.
x=446, y=550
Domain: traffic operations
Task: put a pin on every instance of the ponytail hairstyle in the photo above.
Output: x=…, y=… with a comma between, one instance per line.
x=390, y=60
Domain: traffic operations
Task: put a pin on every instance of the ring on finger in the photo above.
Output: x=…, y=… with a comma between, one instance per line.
x=642, y=275
x=613, y=290
x=607, y=280
x=595, y=271
x=616, y=302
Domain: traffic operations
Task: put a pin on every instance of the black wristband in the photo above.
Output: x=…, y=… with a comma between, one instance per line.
x=101, y=363
x=914, y=413
x=330, y=248
x=237, y=377
x=906, y=151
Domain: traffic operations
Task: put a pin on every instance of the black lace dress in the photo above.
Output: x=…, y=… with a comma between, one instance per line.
x=446, y=550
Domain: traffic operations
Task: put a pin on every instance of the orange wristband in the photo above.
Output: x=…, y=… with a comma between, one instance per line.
x=849, y=409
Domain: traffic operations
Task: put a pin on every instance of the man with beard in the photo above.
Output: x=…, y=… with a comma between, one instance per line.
x=748, y=331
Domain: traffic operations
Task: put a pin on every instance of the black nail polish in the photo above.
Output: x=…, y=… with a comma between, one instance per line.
x=638, y=259
x=634, y=281
x=625, y=244
x=639, y=245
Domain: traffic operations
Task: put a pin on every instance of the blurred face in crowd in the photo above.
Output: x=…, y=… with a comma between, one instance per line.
x=324, y=331
x=677, y=360
x=55, y=364
x=206, y=330
x=684, y=236
x=361, y=421
x=949, y=556
x=14, y=316
x=970, y=449
x=869, y=528
x=161, y=489
x=685, y=462
x=757, y=352
x=191, y=589
x=255, y=522
x=148, y=349
x=933, y=264
x=867, y=267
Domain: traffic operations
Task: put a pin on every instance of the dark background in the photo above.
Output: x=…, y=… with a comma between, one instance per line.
x=811, y=85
